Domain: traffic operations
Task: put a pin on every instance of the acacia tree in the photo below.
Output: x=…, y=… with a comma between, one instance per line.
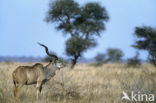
x=82, y=23
x=146, y=40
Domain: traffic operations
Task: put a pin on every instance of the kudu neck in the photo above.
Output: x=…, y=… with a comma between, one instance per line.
x=50, y=70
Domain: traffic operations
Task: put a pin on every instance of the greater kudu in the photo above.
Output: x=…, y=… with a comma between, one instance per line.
x=36, y=74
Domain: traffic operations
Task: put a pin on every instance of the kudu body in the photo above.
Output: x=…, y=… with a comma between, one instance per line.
x=36, y=74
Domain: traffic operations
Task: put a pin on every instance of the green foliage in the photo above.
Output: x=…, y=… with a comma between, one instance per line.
x=91, y=19
x=146, y=40
x=63, y=12
x=81, y=22
x=74, y=45
x=73, y=19
x=100, y=59
x=135, y=61
x=114, y=55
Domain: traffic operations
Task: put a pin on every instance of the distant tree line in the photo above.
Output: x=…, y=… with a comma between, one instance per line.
x=115, y=55
x=145, y=40
x=111, y=55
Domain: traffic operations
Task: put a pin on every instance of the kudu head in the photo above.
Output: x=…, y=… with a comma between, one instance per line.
x=54, y=61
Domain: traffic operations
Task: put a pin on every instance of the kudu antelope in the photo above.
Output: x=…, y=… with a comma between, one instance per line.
x=36, y=74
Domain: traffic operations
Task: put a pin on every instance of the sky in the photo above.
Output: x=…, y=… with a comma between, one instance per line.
x=22, y=25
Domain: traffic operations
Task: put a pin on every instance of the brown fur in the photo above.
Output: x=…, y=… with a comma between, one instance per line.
x=27, y=75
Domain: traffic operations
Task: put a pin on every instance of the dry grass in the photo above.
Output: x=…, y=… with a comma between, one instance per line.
x=84, y=84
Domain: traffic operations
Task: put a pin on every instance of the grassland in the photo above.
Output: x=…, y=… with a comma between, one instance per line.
x=84, y=84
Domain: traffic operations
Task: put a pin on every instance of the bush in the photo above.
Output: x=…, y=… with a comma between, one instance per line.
x=100, y=59
x=135, y=61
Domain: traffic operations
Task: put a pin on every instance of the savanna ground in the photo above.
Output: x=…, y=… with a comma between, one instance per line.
x=84, y=84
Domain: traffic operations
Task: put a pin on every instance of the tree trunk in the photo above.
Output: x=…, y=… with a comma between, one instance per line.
x=74, y=61
x=153, y=61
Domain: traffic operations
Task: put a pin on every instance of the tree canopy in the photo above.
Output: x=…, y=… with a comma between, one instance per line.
x=114, y=54
x=146, y=40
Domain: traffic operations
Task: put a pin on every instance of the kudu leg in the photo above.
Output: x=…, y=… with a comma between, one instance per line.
x=16, y=89
x=39, y=88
